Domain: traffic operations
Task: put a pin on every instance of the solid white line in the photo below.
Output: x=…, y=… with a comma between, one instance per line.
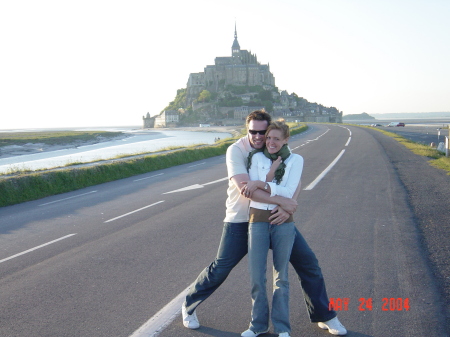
x=149, y=177
x=137, y=210
x=75, y=196
x=155, y=325
x=320, y=177
x=43, y=245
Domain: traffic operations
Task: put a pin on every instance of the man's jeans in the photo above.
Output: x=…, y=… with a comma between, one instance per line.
x=263, y=235
x=233, y=247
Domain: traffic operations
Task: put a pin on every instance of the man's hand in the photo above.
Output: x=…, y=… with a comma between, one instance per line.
x=279, y=216
x=288, y=205
x=249, y=187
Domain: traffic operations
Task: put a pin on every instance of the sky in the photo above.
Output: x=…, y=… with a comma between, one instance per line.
x=107, y=62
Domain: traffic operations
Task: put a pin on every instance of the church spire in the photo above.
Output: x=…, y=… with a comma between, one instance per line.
x=235, y=49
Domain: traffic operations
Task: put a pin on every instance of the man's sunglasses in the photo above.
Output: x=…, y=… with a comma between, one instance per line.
x=254, y=132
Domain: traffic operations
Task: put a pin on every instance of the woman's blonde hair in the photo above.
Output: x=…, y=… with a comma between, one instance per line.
x=281, y=125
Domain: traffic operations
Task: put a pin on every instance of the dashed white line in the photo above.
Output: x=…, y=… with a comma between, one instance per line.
x=197, y=164
x=75, y=196
x=156, y=175
x=37, y=247
x=137, y=210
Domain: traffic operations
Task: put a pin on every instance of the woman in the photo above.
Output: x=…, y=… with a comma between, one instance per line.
x=277, y=171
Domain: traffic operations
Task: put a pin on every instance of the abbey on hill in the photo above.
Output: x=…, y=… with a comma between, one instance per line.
x=240, y=69
x=226, y=92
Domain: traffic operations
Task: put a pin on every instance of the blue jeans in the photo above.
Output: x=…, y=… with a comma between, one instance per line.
x=262, y=236
x=233, y=247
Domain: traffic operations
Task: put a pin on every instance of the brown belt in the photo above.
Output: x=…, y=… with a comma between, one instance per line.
x=262, y=215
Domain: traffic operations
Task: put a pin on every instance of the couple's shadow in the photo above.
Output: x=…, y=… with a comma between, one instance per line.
x=207, y=331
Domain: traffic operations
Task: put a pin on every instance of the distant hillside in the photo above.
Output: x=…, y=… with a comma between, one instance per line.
x=361, y=116
x=412, y=115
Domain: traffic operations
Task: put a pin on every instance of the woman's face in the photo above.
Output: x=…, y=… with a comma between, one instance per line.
x=275, y=140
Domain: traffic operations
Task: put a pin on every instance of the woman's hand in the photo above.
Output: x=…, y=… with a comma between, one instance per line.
x=279, y=216
x=275, y=164
x=250, y=187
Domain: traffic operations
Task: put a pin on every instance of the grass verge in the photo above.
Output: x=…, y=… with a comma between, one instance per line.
x=437, y=159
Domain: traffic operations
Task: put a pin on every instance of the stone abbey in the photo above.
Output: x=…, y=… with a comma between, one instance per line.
x=241, y=68
x=221, y=80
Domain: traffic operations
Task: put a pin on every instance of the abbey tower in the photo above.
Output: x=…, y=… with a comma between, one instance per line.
x=241, y=68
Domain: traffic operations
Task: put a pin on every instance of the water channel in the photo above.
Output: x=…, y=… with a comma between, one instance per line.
x=138, y=141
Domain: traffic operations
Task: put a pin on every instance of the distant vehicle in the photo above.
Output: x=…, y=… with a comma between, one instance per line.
x=396, y=124
x=376, y=124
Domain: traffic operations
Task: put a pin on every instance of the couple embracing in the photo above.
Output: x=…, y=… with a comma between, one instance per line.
x=264, y=182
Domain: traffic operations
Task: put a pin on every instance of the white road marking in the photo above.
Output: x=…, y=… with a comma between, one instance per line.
x=323, y=174
x=43, y=245
x=310, y=140
x=216, y=181
x=156, y=175
x=75, y=196
x=197, y=164
x=348, y=141
x=196, y=186
x=155, y=325
x=187, y=188
x=137, y=210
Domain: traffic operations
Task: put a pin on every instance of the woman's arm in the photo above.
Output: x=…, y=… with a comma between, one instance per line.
x=255, y=182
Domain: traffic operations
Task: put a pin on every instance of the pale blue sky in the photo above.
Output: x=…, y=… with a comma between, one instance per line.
x=108, y=63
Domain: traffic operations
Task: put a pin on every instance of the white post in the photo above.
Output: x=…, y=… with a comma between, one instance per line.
x=446, y=146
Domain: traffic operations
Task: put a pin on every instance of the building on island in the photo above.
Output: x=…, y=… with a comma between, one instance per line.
x=167, y=119
x=241, y=68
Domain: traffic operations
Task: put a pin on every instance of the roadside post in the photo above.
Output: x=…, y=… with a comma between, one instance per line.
x=446, y=146
x=447, y=142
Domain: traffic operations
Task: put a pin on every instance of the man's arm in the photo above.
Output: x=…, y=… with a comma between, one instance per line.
x=287, y=204
x=285, y=208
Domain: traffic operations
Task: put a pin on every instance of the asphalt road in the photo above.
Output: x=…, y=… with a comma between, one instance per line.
x=103, y=261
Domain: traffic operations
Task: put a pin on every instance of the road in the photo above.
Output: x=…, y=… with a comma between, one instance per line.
x=104, y=260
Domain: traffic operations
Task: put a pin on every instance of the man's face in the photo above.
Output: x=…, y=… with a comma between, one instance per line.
x=257, y=140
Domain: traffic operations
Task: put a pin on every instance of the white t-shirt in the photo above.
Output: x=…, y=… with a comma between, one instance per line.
x=291, y=178
x=236, y=159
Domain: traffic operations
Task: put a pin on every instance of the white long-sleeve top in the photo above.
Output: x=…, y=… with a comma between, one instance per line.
x=293, y=172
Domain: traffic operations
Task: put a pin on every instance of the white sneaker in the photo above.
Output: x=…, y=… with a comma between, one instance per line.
x=284, y=334
x=250, y=333
x=334, y=327
x=190, y=321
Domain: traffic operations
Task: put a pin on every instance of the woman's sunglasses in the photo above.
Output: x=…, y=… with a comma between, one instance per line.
x=261, y=132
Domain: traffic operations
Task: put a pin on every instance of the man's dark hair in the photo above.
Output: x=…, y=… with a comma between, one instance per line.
x=258, y=115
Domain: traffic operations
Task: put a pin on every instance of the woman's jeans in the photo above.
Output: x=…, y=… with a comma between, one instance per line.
x=233, y=247
x=262, y=236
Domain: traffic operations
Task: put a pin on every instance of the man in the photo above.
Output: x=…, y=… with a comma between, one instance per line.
x=233, y=245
